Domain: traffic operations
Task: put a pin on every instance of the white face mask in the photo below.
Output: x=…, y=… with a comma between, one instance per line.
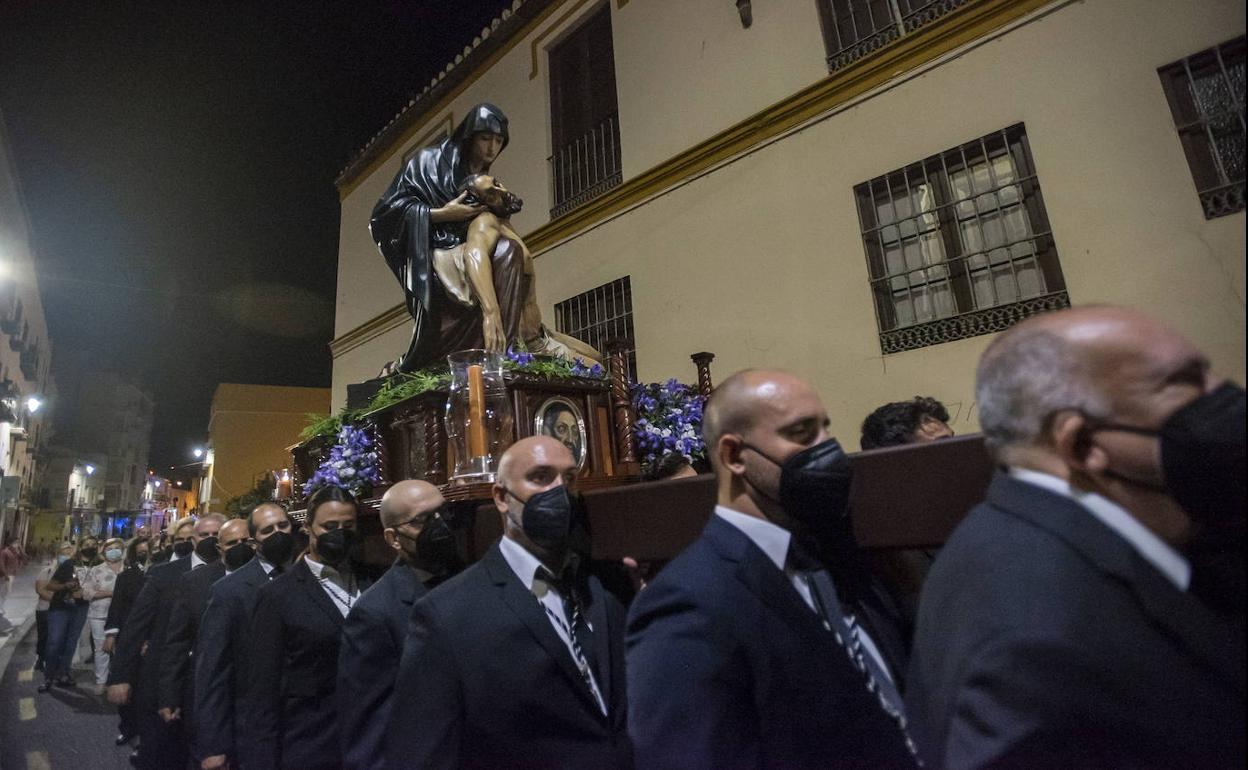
x=114, y=554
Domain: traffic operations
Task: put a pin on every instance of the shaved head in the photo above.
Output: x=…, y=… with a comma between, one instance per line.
x=233, y=529
x=526, y=453
x=743, y=400
x=408, y=499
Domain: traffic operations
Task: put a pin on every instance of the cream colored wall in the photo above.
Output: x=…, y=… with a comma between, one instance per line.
x=250, y=429
x=761, y=261
x=687, y=70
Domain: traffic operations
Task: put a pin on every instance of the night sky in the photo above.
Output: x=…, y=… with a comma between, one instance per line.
x=178, y=161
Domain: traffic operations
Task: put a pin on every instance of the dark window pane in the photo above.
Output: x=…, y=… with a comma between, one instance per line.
x=599, y=316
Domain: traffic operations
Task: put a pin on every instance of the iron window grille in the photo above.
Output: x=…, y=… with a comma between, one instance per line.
x=853, y=29
x=1206, y=95
x=599, y=316
x=959, y=244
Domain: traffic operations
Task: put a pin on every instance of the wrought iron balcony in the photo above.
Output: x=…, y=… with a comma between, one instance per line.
x=586, y=167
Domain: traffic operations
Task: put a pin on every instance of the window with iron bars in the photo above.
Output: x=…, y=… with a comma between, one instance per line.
x=959, y=244
x=599, y=316
x=853, y=29
x=585, y=126
x=1206, y=95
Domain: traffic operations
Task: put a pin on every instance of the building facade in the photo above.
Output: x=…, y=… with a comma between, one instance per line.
x=250, y=431
x=861, y=192
x=25, y=356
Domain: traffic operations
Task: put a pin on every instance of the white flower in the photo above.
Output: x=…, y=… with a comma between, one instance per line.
x=347, y=473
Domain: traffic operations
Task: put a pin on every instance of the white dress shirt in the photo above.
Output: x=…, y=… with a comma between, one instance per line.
x=526, y=565
x=773, y=540
x=1153, y=549
x=342, y=589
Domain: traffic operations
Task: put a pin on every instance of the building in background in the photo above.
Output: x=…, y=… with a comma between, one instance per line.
x=250, y=430
x=862, y=192
x=25, y=355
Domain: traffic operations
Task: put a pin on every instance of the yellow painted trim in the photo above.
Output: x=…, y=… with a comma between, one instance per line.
x=537, y=41
x=942, y=36
x=348, y=185
x=965, y=25
x=369, y=330
x=447, y=124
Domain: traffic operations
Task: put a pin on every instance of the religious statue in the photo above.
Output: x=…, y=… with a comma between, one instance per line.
x=444, y=227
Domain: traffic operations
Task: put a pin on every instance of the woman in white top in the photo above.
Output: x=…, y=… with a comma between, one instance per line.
x=98, y=589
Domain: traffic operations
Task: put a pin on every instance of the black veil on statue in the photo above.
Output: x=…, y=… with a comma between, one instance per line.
x=402, y=231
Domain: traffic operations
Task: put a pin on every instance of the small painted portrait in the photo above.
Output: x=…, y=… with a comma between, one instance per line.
x=560, y=419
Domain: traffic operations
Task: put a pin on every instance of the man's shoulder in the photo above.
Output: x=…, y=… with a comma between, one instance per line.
x=699, y=578
x=460, y=598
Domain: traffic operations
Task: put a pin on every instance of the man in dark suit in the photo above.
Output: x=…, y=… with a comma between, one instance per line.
x=175, y=687
x=517, y=661
x=291, y=718
x=373, y=635
x=1057, y=628
x=760, y=645
x=221, y=676
x=125, y=591
x=141, y=643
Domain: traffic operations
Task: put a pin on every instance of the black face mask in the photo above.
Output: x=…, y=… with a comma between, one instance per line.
x=814, y=489
x=238, y=555
x=547, y=517
x=435, y=547
x=206, y=549
x=183, y=548
x=278, y=547
x=336, y=546
x=1202, y=455
x=89, y=553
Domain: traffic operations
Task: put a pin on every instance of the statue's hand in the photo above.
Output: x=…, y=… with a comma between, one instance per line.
x=492, y=330
x=456, y=210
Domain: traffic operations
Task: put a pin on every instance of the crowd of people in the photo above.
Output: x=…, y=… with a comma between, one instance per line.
x=1088, y=613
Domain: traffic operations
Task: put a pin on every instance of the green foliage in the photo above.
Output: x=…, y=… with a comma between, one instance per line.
x=263, y=491
x=403, y=386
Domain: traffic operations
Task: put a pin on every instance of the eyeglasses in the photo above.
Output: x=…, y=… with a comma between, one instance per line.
x=424, y=518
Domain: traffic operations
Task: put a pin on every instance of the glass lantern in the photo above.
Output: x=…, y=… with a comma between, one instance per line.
x=478, y=415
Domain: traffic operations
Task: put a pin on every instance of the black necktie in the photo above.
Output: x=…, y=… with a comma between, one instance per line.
x=581, y=636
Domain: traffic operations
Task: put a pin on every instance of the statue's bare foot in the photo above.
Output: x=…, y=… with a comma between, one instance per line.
x=492, y=331
x=389, y=370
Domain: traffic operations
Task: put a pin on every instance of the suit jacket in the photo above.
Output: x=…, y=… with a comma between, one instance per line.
x=485, y=681
x=1045, y=639
x=729, y=668
x=147, y=623
x=372, y=642
x=221, y=673
x=175, y=683
x=125, y=591
x=291, y=713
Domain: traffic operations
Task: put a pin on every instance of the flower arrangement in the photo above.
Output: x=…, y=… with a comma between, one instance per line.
x=669, y=419
x=520, y=360
x=351, y=465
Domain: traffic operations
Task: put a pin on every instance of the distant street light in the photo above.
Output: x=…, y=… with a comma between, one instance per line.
x=33, y=403
x=198, y=452
x=90, y=469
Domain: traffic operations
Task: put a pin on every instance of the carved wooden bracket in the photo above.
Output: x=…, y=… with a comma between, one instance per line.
x=703, y=362
x=622, y=408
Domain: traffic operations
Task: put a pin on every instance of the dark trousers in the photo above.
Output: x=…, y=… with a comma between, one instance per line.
x=162, y=746
x=64, y=628
x=41, y=635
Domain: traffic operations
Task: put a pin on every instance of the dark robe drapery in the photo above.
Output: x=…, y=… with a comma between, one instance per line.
x=406, y=237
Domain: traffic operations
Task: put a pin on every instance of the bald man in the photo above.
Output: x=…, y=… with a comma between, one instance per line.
x=755, y=648
x=517, y=661
x=1058, y=627
x=376, y=626
x=221, y=674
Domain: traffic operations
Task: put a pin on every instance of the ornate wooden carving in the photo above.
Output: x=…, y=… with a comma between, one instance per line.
x=622, y=409
x=703, y=362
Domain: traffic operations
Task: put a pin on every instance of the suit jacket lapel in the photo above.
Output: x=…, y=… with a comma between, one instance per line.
x=528, y=610
x=1177, y=613
x=312, y=586
x=760, y=576
x=596, y=612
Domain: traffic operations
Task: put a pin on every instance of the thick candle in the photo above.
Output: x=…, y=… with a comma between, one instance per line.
x=476, y=411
